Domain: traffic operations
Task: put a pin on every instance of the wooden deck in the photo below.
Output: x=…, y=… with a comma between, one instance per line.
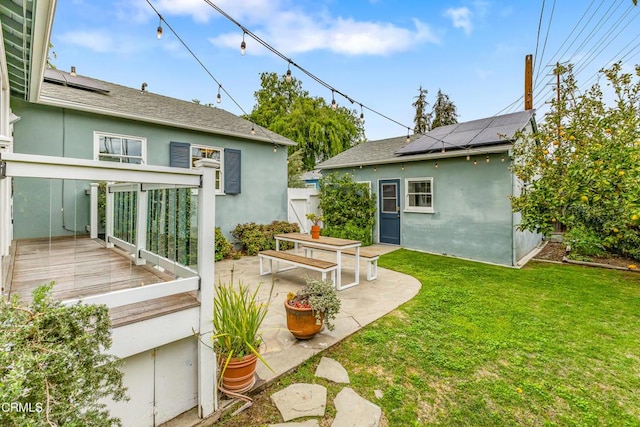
x=80, y=267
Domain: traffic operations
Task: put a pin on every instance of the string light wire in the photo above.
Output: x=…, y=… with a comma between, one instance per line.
x=204, y=67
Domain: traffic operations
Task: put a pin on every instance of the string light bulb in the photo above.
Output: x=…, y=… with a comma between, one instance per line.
x=361, y=114
x=243, y=45
x=488, y=160
x=219, y=97
x=502, y=158
x=275, y=148
x=288, y=75
x=468, y=156
x=253, y=130
x=475, y=162
x=334, y=105
x=442, y=150
x=159, y=31
x=436, y=165
x=408, y=137
x=402, y=167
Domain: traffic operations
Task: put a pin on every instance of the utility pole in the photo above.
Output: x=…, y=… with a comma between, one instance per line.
x=558, y=81
x=528, y=82
x=558, y=71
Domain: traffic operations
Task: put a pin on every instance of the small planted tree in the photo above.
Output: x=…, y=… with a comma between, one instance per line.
x=348, y=208
x=53, y=370
x=581, y=166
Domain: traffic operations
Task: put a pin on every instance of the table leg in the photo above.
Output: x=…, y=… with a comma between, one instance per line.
x=357, y=265
x=339, y=270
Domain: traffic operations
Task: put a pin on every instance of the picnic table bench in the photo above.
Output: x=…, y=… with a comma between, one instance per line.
x=323, y=267
x=369, y=255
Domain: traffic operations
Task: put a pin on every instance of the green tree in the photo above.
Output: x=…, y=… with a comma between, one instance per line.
x=348, y=208
x=53, y=365
x=51, y=55
x=321, y=132
x=582, y=166
x=444, y=111
x=422, y=119
x=295, y=169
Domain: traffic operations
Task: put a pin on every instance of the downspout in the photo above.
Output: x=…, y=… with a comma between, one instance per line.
x=514, y=261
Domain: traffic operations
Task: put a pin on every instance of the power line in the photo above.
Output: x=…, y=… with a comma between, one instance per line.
x=535, y=56
x=544, y=47
x=317, y=79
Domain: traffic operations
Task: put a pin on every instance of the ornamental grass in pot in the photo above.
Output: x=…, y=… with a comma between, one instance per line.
x=237, y=317
x=317, y=303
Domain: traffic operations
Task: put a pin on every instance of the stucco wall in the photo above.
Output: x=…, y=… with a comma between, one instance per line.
x=472, y=217
x=54, y=131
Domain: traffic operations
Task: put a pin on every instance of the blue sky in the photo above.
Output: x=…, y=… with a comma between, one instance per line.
x=378, y=52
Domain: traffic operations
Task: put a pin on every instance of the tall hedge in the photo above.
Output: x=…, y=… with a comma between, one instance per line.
x=348, y=208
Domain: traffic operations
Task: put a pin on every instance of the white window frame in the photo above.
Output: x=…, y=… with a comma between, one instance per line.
x=219, y=172
x=96, y=146
x=418, y=209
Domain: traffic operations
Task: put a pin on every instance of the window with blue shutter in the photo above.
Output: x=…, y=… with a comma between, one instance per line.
x=232, y=171
x=179, y=154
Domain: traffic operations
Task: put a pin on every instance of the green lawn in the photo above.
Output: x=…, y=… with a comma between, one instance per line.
x=482, y=345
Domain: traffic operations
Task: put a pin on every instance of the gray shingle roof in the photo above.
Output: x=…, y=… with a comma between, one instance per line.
x=121, y=101
x=370, y=152
x=476, y=133
x=479, y=135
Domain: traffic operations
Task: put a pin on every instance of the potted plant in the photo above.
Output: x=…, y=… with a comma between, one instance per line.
x=316, y=303
x=315, y=228
x=237, y=316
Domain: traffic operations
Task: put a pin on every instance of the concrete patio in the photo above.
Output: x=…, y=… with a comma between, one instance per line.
x=361, y=305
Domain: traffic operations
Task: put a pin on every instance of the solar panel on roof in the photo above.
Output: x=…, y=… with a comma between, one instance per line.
x=66, y=79
x=487, y=131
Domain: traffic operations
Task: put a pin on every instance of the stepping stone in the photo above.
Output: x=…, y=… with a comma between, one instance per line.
x=308, y=423
x=300, y=400
x=355, y=411
x=332, y=370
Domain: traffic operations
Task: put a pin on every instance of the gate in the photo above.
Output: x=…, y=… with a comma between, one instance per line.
x=301, y=201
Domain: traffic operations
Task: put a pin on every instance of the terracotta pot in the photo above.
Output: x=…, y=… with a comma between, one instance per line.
x=315, y=231
x=302, y=322
x=239, y=376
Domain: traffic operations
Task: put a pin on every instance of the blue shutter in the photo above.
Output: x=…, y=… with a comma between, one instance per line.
x=231, y=171
x=180, y=154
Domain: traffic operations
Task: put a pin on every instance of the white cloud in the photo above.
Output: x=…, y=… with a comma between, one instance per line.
x=289, y=28
x=296, y=32
x=461, y=18
x=98, y=41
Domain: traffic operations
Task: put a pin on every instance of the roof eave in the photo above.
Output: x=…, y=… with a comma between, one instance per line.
x=490, y=149
x=54, y=102
x=42, y=25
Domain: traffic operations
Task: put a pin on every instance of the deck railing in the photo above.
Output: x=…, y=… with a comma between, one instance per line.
x=132, y=233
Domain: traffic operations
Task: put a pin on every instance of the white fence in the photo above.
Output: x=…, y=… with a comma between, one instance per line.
x=301, y=201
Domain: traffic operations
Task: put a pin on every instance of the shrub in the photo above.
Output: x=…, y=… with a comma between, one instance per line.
x=55, y=361
x=223, y=247
x=349, y=231
x=259, y=237
x=584, y=242
x=348, y=208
